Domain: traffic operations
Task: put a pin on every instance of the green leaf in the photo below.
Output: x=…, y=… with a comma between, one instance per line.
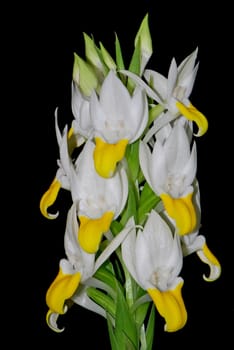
x=116, y=227
x=155, y=112
x=131, y=207
x=140, y=307
x=130, y=288
x=135, y=65
x=110, y=63
x=148, y=200
x=114, y=343
x=102, y=299
x=132, y=156
x=106, y=276
x=150, y=330
x=124, y=322
x=118, y=53
x=141, y=313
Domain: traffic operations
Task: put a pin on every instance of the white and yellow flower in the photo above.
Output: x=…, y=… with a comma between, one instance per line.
x=170, y=171
x=118, y=119
x=60, y=181
x=154, y=258
x=75, y=273
x=100, y=200
x=174, y=91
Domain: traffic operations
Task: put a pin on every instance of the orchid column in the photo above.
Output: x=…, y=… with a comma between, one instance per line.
x=129, y=161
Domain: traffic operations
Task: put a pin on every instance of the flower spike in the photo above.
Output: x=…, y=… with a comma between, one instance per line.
x=129, y=161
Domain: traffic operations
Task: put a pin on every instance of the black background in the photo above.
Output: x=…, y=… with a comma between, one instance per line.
x=40, y=43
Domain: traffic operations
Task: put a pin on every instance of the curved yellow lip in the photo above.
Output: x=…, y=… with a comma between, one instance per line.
x=171, y=307
x=106, y=156
x=61, y=289
x=191, y=113
x=48, y=199
x=182, y=211
x=91, y=231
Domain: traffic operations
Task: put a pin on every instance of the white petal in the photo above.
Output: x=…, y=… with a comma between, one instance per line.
x=190, y=169
x=177, y=149
x=145, y=161
x=162, y=121
x=188, y=82
x=158, y=171
x=172, y=79
x=175, y=259
x=187, y=65
x=128, y=253
x=57, y=131
x=80, y=260
x=192, y=243
x=76, y=99
x=138, y=116
x=122, y=187
x=158, y=81
x=114, y=244
x=153, y=247
x=150, y=92
x=112, y=92
x=82, y=299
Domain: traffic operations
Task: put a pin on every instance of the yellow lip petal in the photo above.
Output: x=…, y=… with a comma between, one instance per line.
x=171, y=307
x=70, y=133
x=61, y=289
x=191, y=113
x=208, y=257
x=91, y=231
x=182, y=211
x=49, y=198
x=107, y=155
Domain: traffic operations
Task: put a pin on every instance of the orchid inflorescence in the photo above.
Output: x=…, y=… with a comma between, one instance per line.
x=135, y=211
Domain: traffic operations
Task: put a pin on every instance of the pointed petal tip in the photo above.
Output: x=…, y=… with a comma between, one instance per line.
x=215, y=272
x=51, y=320
x=49, y=198
x=208, y=258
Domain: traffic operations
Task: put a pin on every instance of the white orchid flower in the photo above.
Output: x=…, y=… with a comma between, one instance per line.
x=74, y=139
x=174, y=91
x=118, y=119
x=170, y=171
x=75, y=273
x=60, y=180
x=154, y=258
x=100, y=200
x=177, y=86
